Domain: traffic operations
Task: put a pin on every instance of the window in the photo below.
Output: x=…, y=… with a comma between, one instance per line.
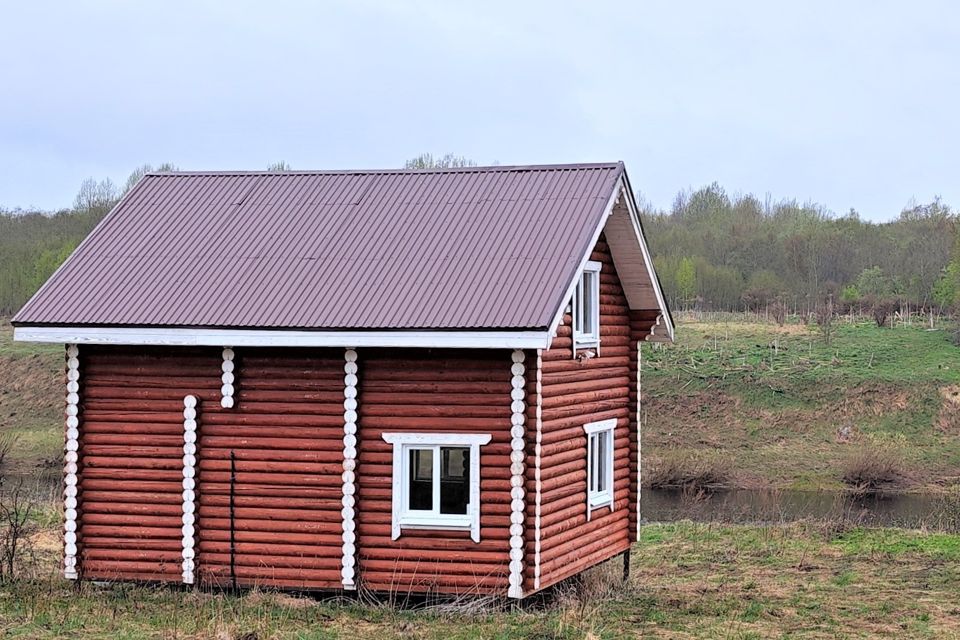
x=586, y=308
x=599, y=464
x=436, y=481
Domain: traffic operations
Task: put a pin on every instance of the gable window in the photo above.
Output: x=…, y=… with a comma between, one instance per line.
x=599, y=464
x=436, y=481
x=586, y=308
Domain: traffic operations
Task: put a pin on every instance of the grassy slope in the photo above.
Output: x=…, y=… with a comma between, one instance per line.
x=775, y=413
x=688, y=581
x=31, y=400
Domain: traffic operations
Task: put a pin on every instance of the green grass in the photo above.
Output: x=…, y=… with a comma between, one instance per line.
x=788, y=409
x=688, y=580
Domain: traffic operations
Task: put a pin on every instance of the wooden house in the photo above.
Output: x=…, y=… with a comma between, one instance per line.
x=416, y=381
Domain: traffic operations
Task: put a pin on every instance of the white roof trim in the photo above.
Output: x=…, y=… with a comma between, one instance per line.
x=648, y=261
x=283, y=338
x=622, y=186
x=607, y=212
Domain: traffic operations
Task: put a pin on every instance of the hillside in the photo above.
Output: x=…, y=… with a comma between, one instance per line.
x=780, y=407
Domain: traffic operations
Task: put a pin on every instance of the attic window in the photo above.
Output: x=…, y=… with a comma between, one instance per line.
x=586, y=308
x=436, y=481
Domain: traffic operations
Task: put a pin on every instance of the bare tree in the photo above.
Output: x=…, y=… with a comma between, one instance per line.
x=448, y=161
x=16, y=530
x=824, y=318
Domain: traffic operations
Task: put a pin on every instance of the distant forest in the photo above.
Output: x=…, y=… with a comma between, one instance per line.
x=712, y=251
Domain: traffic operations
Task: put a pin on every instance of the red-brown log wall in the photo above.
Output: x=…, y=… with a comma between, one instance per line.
x=286, y=431
x=286, y=434
x=131, y=457
x=576, y=391
x=440, y=390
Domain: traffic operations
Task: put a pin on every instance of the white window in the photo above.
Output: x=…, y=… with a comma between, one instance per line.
x=586, y=308
x=599, y=464
x=436, y=481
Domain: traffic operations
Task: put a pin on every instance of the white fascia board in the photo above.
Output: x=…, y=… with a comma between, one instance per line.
x=607, y=212
x=648, y=260
x=283, y=338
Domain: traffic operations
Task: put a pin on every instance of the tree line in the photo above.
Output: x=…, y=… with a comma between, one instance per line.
x=717, y=252
x=712, y=251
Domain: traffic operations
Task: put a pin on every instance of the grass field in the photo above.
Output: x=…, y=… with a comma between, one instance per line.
x=688, y=581
x=785, y=409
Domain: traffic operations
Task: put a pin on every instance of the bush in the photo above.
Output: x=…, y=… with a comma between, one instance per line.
x=692, y=472
x=872, y=471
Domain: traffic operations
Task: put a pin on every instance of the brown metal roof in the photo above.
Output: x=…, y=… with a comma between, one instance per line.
x=472, y=248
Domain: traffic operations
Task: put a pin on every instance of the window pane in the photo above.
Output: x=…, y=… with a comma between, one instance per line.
x=578, y=307
x=454, y=479
x=590, y=302
x=601, y=473
x=421, y=479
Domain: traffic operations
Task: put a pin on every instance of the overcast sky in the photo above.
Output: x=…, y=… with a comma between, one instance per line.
x=848, y=104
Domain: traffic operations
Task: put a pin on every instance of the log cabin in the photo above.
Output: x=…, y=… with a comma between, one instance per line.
x=418, y=381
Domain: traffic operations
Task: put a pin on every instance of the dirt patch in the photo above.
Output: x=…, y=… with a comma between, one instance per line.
x=875, y=400
x=948, y=419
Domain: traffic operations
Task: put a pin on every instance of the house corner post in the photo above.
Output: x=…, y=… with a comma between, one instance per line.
x=639, y=433
x=71, y=467
x=349, y=535
x=538, y=451
x=517, y=468
x=189, y=517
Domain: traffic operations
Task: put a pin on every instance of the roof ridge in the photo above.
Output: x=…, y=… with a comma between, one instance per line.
x=475, y=169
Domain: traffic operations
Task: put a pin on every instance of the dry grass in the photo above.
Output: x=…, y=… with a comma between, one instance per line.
x=874, y=470
x=807, y=580
x=690, y=472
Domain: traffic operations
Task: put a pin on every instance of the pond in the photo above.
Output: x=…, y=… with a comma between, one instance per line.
x=743, y=506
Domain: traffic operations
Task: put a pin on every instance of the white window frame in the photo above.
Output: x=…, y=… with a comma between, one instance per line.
x=600, y=499
x=405, y=518
x=583, y=340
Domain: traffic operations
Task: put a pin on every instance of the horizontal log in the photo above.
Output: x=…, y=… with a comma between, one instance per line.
x=152, y=544
x=116, y=474
x=136, y=555
x=91, y=463
x=212, y=536
x=130, y=520
x=224, y=581
x=219, y=449
x=120, y=530
x=247, y=465
x=379, y=538
x=268, y=563
x=330, y=503
x=209, y=488
x=275, y=478
x=253, y=575
x=124, y=569
x=553, y=381
x=399, y=582
x=213, y=513
x=329, y=549
x=172, y=487
x=276, y=526
x=91, y=506
x=434, y=569
x=582, y=397
x=565, y=362
x=290, y=438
